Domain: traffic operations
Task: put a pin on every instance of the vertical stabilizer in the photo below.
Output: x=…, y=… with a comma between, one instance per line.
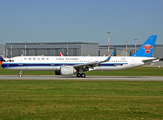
x=146, y=50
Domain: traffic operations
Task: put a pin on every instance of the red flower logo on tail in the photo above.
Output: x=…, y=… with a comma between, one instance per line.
x=147, y=48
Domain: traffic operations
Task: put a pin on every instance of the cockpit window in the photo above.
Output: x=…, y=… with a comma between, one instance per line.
x=9, y=60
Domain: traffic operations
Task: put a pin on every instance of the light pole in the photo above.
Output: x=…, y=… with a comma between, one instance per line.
x=135, y=45
x=126, y=49
x=108, y=42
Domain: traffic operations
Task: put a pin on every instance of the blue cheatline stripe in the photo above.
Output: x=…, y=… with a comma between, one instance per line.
x=34, y=64
x=12, y=65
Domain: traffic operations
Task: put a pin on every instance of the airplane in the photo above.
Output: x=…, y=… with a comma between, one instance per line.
x=69, y=65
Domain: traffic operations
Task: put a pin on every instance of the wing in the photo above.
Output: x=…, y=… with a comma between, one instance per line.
x=91, y=65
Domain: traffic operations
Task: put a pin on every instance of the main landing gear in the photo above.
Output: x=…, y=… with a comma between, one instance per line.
x=80, y=75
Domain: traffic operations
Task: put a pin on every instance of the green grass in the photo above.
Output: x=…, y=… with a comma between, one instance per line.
x=78, y=100
x=139, y=71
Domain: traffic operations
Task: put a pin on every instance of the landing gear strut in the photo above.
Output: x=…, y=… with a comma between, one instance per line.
x=80, y=75
x=20, y=74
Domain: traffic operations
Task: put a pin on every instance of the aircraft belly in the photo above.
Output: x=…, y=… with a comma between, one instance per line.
x=117, y=67
x=112, y=68
x=107, y=68
x=42, y=68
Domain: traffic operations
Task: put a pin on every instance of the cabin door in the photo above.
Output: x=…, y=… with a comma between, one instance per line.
x=20, y=60
x=132, y=61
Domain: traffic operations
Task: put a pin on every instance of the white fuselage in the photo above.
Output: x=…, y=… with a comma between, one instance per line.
x=51, y=63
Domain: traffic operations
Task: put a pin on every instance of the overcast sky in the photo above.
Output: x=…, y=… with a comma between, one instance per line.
x=80, y=20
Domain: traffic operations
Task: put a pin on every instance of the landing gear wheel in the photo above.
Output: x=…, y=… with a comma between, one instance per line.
x=83, y=75
x=20, y=75
x=78, y=75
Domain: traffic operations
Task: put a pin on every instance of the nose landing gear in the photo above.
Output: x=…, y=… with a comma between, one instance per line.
x=20, y=74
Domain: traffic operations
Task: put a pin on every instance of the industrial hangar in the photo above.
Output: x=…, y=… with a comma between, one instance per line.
x=120, y=50
x=52, y=49
x=72, y=49
x=2, y=49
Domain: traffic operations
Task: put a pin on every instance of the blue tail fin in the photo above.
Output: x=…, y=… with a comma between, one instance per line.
x=146, y=50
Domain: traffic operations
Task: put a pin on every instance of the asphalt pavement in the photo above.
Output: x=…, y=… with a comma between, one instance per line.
x=96, y=78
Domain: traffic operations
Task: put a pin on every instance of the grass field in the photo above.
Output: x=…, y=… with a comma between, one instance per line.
x=139, y=71
x=78, y=100
x=82, y=100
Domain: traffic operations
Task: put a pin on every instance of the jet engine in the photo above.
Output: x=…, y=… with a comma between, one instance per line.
x=66, y=71
x=58, y=72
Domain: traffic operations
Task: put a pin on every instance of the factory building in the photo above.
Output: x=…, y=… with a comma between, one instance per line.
x=52, y=49
x=120, y=50
x=72, y=49
x=2, y=50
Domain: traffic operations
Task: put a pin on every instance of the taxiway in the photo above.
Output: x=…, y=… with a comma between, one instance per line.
x=97, y=78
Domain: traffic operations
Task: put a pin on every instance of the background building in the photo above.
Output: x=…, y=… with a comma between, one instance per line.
x=2, y=50
x=120, y=50
x=74, y=49
x=52, y=49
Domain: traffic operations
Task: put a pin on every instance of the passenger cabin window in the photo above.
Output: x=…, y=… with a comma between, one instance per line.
x=34, y=58
x=29, y=58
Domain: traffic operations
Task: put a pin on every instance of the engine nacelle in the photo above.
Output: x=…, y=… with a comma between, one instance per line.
x=58, y=72
x=67, y=70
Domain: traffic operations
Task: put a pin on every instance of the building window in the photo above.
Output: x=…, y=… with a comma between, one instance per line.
x=27, y=52
x=56, y=52
x=74, y=52
x=48, y=52
x=35, y=52
x=65, y=52
x=18, y=52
